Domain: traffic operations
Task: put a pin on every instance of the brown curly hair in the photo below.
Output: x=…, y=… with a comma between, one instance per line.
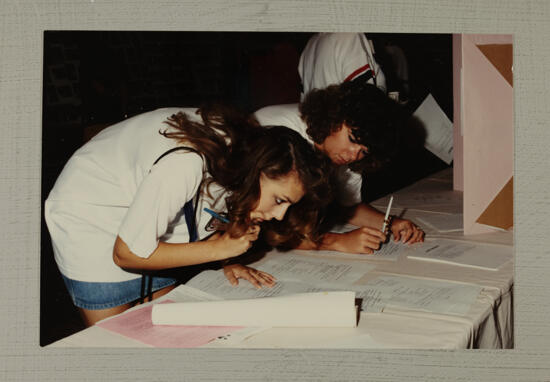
x=374, y=119
x=237, y=151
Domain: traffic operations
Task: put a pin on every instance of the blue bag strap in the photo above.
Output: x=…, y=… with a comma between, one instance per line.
x=189, y=213
x=188, y=208
x=190, y=221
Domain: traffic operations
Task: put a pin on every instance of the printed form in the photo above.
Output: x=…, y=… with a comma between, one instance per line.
x=388, y=251
x=417, y=294
x=387, y=290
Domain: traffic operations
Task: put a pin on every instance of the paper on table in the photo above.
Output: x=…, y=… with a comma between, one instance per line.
x=295, y=273
x=439, y=130
x=185, y=293
x=236, y=337
x=375, y=294
x=443, y=222
x=391, y=250
x=320, y=272
x=388, y=251
x=417, y=294
x=137, y=324
x=478, y=255
x=323, y=309
x=214, y=282
x=373, y=299
x=433, y=296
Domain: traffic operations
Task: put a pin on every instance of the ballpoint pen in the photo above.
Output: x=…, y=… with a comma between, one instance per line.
x=216, y=215
x=387, y=215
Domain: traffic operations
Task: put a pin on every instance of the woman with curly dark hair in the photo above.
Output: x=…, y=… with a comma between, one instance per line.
x=132, y=201
x=358, y=127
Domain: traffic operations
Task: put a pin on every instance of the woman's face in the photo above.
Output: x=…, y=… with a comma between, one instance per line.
x=276, y=195
x=341, y=147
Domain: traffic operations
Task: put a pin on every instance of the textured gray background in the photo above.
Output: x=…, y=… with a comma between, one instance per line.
x=21, y=34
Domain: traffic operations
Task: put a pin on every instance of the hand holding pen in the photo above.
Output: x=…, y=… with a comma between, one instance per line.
x=233, y=272
x=218, y=221
x=387, y=220
x=231, y=246
x=402, y=229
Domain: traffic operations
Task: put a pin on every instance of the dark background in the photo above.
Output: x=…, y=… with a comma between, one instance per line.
x=94, y=79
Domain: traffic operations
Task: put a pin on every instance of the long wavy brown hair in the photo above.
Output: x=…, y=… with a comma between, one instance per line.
x=237, y=151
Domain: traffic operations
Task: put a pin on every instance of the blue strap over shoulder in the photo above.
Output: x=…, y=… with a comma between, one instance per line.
x=190, y=221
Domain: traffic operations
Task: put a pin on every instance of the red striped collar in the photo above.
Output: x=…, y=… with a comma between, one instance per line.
x=357, y=72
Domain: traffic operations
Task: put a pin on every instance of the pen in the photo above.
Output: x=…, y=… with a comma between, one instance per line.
x=387, y=214
x=216, y=215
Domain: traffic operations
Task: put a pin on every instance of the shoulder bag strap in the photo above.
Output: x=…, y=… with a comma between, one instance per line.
x=190, y=220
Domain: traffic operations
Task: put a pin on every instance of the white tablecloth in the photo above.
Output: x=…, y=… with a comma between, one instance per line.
x=488, y=323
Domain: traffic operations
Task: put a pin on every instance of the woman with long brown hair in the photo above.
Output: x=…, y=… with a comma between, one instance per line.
x=139, y=197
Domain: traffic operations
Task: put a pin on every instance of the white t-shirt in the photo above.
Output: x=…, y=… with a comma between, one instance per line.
x=349, y=182
x=333, y=58
x=110, y=187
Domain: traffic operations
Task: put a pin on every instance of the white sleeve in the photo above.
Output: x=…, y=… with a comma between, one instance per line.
x=349, y=186
x=283, y=115
x=172, y=182
x=352, y=52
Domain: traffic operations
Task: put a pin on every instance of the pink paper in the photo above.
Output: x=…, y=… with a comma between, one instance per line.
x=488, y=134
x=137, y=325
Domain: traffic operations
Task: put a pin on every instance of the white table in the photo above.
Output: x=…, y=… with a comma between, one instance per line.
x=488, y=323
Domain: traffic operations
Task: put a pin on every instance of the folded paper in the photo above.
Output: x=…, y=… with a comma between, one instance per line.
x=322, y=309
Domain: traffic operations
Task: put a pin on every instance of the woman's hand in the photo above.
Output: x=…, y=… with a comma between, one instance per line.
x=360, y=240
x=228, y=246
x=234, y=272
x=406, y=231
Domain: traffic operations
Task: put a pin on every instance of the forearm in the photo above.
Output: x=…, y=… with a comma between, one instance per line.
x=367, y=216
x=168, y=255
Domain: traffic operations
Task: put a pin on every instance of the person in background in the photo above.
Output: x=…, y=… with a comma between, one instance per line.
x=334, y=58
x=357, y=127
x=132, y=202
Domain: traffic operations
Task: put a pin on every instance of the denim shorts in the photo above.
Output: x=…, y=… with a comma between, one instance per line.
x=104, y=295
